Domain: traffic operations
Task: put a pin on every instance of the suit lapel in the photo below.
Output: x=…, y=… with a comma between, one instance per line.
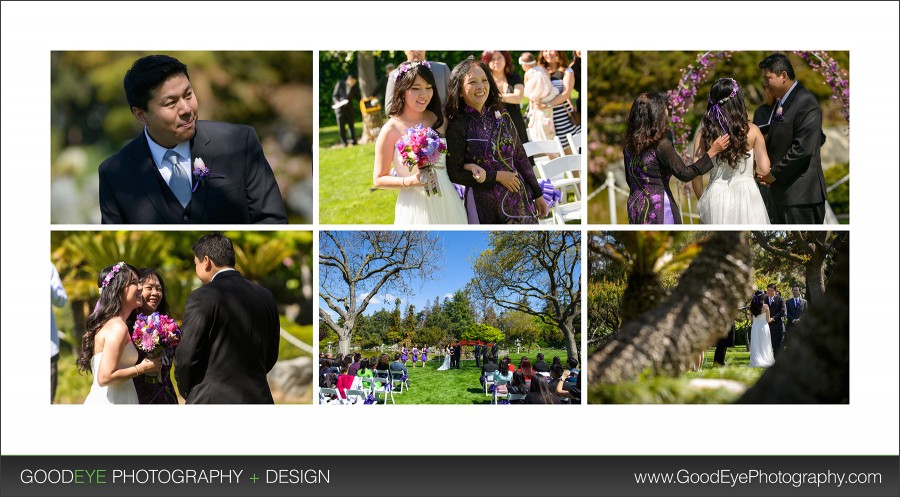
x=200, y=147
x=150, y=180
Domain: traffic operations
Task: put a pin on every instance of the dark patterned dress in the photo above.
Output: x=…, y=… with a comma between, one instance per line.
x=489, y=139
x=150, y=391
x=648, y=174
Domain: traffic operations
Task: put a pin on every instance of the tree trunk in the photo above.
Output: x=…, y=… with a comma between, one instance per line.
x=569, y=335
x=643, y=292
x=344, y=341
x=815, y=365
x=815, y=277
x=697, y=314
x=365, y=64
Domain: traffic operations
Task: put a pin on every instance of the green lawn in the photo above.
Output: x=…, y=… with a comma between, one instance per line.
x=651, y=389
x=345, y=183
x=456, y=386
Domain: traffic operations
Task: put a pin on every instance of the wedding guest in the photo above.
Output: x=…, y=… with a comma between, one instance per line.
x=58, y=298
x=154, y=389
x=556, y=374
x=510, y=86
x=509, y=364
x=538, y=89
x=490, y=367
x=327, y=377
x=651, y=161
x=722, y=346
x=574, y=372
x=365, y=373
x=565, y=119
x=502, y=375
x=526, y=368
x=383, y=367
x=106, y=347
x=381, y=88
x=575, y=66
x=485, y=153
x=399, y=364
x=354, y=367
x=795, y=308
x=345, y=97
x=567, y=389
x=344, y=381
x=540, y=365
x=539, y=392
x=517, y=386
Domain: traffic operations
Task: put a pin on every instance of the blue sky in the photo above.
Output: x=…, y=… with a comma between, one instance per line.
x=460, y=250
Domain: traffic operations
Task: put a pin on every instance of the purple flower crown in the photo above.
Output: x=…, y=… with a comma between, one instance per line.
x=734, y=90
x=111, y=274
x=406, y=66
x=715, y=112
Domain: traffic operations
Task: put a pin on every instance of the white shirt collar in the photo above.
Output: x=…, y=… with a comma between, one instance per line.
x=158, y=151
x=220, y=272
x=784, y=98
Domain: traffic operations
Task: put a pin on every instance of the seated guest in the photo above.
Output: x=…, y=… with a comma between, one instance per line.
x=502, y=376
x=489, y=366
x=540, y=392
x=556, y=361
x=327, y=377
x=526, y=369
x=540, y=365
x=344, y=381
x=574, y=372
x=399, y=365
x=365, y=374
x=556, y=372
x=568, y=390
x=355, y=365
x=321, y=358
x=383, y=367
x=516, y=386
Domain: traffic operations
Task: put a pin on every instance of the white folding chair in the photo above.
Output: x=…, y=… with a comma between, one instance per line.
x=330, y=396
x=356, y=397
x=383, y=386
x=397, y=379
x=515, y=396
x=559, y=171
x=488, y=382
x=574, y=142
x=539, y=150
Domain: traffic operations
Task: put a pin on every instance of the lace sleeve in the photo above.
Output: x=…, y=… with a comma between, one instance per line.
x=670, y=159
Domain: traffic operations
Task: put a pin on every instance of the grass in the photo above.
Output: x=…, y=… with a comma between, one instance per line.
x=456, y=386
x=649, y=389
x=345, y=183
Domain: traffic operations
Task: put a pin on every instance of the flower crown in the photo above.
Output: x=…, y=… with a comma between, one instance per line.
x=734, y=90
x=111, y=274
x=406, y=66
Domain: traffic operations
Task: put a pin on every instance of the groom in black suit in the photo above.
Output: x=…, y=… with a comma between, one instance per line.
x=777, y=313
x=151, y=181
x=457, y=354
x=793, y=140
x=230, y=332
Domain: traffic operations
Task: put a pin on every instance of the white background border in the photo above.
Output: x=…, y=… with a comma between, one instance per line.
x=867, y=426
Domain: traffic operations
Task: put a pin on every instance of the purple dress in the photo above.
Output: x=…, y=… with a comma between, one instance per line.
x=648, y=174
x=489, y=139
x=415, y=355
x=425, y=354
x=403, y=354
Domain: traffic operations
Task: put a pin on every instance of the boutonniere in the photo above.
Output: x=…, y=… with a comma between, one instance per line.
x=497, y=114
x=201, y=172
x=779, y=114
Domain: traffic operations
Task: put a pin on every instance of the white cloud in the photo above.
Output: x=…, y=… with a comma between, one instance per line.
x=448, y=296
x=375, y=300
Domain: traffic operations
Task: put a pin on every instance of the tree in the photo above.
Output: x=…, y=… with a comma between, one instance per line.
x=410, y=321
x=539, y=266
x=664, y=338
x=459, y=313
x=489, y=317
x=809, y=249
x=483, y=332
x=521, y=326
x=356, y=265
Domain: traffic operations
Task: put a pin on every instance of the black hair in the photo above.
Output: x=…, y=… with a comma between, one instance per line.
x=772, y=286
x=737, y=125
x=145, y=274
x=540, y=356
x=217, y=247
x=646, y=125
x=556, y=360
x=778, y=63
x=455, y=103
x=757, y=303
x=404, y=81
x=108, y=307
x=572, y=362
x=396, y=357
x=556, y=370
x=540, y=389
x=147, y=74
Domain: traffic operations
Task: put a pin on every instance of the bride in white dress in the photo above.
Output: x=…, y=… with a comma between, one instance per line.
x=106, y=347
x=761, y=353
x=447, y=353
x=414, y=102
x=732, y=196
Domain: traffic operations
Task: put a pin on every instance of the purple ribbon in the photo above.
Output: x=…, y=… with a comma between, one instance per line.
x=460, y=190
x=551, y=195
x=719, y=117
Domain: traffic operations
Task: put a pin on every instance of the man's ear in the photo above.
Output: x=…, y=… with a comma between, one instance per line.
x=207, y=263
x=139, y=115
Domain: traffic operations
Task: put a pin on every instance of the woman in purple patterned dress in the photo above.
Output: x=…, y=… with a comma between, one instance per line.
x=484, y=152
x=651, y=161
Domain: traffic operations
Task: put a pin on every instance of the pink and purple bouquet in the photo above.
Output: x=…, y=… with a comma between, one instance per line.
x=422, y=147
x=156, y=335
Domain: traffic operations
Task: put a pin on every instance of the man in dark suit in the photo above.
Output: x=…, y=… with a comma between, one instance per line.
x=346, y=90
x=495, y=351
x=793, y=140
x=155, y=178
x=457, y=354
x=540, y=365
x=230, y=332
x=777, y=313
x=478, y=348
x=796, y=307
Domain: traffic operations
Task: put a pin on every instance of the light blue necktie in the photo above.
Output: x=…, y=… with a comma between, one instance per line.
x=180, y=182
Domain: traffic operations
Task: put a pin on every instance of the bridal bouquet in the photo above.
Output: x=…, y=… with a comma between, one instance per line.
x=157, y=335
x=422, y=147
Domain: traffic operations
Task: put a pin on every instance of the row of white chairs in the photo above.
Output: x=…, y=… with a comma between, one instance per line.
x=382, y=386
x=563, y=172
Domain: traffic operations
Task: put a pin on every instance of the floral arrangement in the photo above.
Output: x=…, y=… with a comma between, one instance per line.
x=156, y=335
x=835, y=77
x=422, y=147
x=200, y=172
x=681, y=99
x=406, y=66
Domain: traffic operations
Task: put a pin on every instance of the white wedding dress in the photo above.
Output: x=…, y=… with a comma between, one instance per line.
x=415, y=207
x=761, y=355
x=120, y=393
x=446, y=365
x=732, y=196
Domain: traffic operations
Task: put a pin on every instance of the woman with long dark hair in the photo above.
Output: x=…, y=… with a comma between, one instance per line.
x=509, y=84
x=106, y=347
x=414, y=103
x=485, y=153
x=651, y=161
x=761, y=353
x=159, y=389
x=732, y=196
x=540, y=392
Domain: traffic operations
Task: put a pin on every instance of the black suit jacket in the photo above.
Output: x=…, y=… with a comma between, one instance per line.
x=541, y=367
x=229, y=342
x=794, y=311
x=341, y=93
x=457, y=351
x=240, y=190
x=794, y=145
x=776, y=312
